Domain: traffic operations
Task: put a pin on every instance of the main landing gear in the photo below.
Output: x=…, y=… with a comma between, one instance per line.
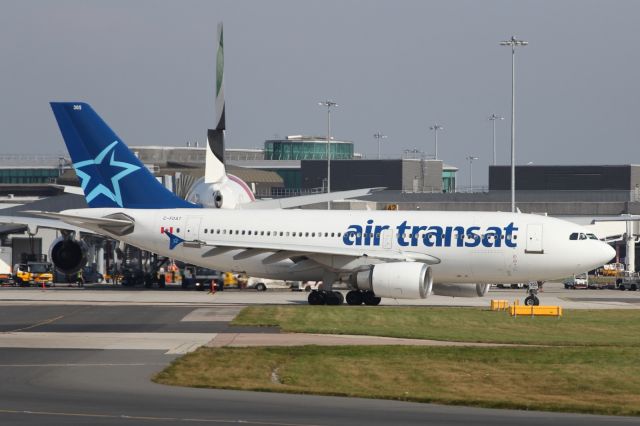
x=354, y=297
x=358, y=297
x=325, y=297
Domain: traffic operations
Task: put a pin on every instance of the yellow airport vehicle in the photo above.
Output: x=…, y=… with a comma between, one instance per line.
x=33, y=273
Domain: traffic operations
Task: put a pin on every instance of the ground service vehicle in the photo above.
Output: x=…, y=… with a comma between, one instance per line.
x=264, y=284
x=611, y=270
x=33, y=273
x=200, y=278
x=579, y=281
x=6, y=276
x=629, y=281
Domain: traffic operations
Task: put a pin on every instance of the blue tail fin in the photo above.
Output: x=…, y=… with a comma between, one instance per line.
x=109, y=173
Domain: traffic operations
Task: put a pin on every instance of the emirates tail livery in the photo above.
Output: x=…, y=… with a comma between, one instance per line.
x=394, y=254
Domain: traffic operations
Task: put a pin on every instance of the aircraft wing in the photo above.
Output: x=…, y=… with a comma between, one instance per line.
x=345, y=256
x=304, y=200
x=33, y=223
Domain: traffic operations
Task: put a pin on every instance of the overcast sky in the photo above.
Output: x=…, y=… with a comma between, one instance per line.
x=148, y=68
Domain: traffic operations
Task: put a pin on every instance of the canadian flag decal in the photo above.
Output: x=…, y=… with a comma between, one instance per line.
x=163, y=229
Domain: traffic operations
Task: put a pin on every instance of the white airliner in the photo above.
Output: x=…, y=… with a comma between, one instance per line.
x=379, y=254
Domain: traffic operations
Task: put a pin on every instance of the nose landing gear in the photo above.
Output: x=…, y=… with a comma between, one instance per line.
x=532, y=298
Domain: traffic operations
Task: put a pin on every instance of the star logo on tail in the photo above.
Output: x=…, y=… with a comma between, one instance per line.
x=103, y=161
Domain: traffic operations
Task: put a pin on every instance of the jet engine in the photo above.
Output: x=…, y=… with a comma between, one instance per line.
x=228, y=194
x=461, y=290
x=402, y=280
x=68, y=255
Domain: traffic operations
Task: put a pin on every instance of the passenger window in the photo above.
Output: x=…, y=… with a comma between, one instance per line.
x=339, y=234
x=205, y=230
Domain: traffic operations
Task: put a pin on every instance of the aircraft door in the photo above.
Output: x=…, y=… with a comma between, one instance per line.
x=192, y=228
x=387, y=239
x=534, y=239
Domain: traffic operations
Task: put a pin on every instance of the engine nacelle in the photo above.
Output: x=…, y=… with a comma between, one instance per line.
x=227, y=194
x=461, y=290
x=68, y=255
x=402, y=280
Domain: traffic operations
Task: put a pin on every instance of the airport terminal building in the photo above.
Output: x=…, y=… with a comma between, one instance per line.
x=411, y=183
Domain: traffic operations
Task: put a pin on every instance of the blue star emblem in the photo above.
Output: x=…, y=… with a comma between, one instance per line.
x=85, y=178
x=174, y=240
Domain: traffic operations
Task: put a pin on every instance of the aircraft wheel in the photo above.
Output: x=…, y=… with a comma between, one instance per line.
x=370, y=299
x=340, y=297
x=332, y=298
x=261, y=287
x=316, y=298
x=354, y=297
x=532, y=301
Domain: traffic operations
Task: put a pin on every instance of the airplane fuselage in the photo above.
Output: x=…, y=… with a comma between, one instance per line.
x=461, y=247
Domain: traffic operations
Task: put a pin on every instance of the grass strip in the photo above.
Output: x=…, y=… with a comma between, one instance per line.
x=587, y=380
x=575, y=328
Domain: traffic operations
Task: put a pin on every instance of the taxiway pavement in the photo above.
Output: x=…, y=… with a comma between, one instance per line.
x=74, y=356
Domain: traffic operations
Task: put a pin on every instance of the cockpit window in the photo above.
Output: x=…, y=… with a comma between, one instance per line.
x=592, y=237
x=583, y=237
x=574, y=236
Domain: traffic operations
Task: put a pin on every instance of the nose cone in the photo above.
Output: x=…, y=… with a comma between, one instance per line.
x=602, y=254
x=608, y=253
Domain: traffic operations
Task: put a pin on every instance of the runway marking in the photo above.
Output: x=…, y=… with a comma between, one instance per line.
x=38, y=324
x=43, y=322
x=152, y=418
x=171, y=343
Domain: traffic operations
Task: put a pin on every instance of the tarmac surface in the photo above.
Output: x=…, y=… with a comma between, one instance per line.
x=79, y=356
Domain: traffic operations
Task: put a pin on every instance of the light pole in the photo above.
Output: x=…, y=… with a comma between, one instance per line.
x=379, y=136
x=513, y=42
x=493, y=119
x=471, y=158
x=329, y=105
x=435, y=129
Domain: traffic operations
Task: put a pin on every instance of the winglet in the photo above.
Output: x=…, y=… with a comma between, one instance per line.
x=174, y=240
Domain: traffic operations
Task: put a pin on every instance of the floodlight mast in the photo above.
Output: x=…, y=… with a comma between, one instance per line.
x=493, y=119
x=329, y=104
x=435, y=129
x=471, y=158
x=513, y=42
x=379, y=136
